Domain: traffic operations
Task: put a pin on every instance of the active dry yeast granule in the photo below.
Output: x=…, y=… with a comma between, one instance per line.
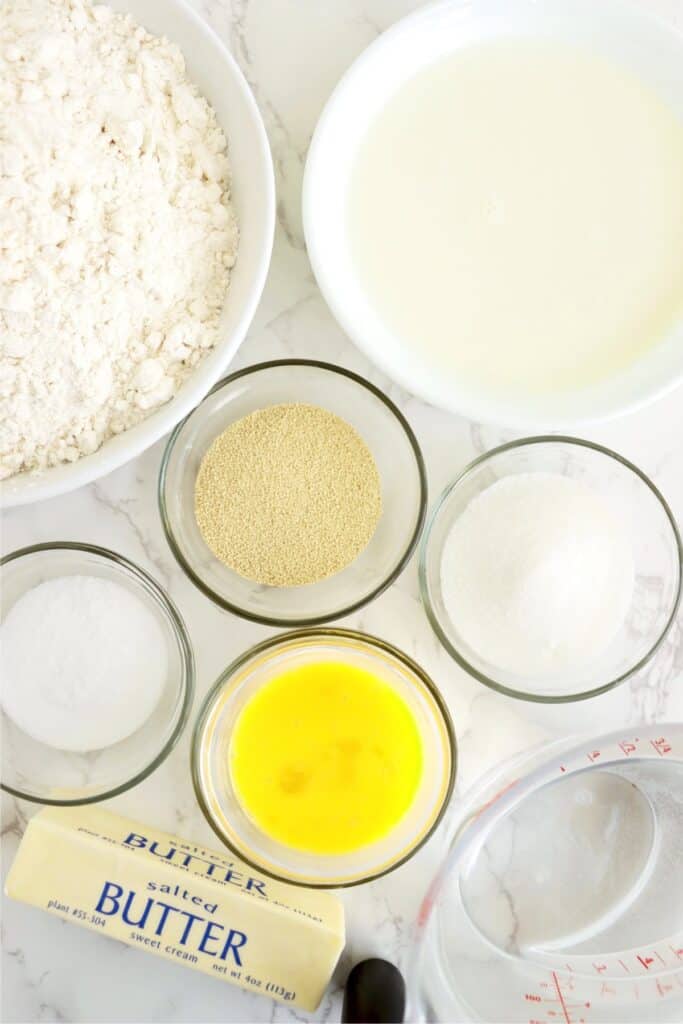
x=288, y=495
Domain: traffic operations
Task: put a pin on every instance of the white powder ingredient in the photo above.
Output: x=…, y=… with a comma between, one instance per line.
x=83, y=663
x=537, y=574
x=117, y=233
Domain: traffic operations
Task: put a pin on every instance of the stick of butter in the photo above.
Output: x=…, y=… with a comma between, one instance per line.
x=180, y=901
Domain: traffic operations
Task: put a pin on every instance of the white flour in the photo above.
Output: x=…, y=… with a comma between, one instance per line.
x=537, y=574
x=116, y=230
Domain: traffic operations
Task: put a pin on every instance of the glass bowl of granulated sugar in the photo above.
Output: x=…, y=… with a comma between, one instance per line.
x=97, y=674
x=294, y=493
x=551, y=569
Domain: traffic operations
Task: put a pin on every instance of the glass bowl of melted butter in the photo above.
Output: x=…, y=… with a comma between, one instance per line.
x=325, y=758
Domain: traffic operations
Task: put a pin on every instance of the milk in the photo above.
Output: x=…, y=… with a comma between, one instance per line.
x=515, y=217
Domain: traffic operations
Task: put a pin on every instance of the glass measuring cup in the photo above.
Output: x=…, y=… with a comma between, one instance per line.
x=561, y=899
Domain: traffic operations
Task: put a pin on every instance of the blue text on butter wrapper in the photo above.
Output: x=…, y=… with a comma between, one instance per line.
x=156, y=915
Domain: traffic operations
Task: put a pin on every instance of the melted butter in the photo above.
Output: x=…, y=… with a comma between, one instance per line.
x=326, y=758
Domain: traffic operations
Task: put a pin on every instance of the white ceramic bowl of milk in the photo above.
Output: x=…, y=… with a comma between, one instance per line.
x=493, y=207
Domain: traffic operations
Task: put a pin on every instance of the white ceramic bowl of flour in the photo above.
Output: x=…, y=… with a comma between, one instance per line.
x=219, y=78
x=377, y=299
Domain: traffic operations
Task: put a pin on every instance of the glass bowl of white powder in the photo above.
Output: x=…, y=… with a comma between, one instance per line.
x=97, y=674
x=551, y=569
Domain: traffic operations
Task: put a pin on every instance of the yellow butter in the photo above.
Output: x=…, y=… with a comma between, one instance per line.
x=174, y=898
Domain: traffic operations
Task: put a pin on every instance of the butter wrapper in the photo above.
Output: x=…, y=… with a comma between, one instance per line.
x=180, y=901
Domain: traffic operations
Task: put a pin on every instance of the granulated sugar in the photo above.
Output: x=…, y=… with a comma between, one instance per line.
x=288, y=495
x=537, y=574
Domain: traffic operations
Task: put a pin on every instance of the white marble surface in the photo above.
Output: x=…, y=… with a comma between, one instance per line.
x=293, y=52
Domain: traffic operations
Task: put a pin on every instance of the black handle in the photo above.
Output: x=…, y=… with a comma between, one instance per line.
x=375, y=993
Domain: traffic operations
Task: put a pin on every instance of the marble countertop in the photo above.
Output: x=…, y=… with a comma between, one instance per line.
x=293, y=52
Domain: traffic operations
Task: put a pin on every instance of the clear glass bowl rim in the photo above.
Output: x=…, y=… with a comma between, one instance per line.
x=187, y=663
x=445, y=640
x=367, y=640
x=316, y=620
